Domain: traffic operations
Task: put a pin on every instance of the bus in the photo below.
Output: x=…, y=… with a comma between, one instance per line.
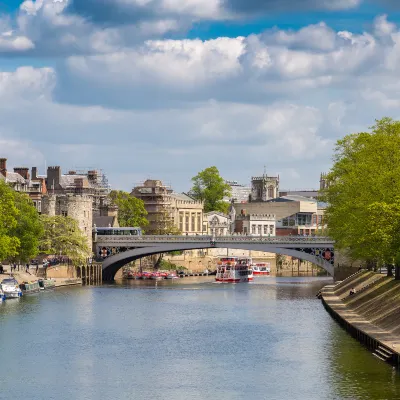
x=117, y=231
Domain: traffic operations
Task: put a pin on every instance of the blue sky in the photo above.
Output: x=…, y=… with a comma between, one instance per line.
x=165, y=88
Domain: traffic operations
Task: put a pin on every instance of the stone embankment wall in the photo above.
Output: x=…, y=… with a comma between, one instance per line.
x=372, y=314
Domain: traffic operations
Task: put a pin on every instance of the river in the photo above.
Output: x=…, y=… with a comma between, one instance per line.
x=185, y=339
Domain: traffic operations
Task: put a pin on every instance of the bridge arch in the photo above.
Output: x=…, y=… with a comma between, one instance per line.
x=112, y=264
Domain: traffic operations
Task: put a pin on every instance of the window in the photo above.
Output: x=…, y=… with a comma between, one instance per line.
x=39, y=206
x=193, y=222
x=271, y=229
x=304, y=219
x=64, y=213
x=181, y=221
x=253, y=229
x=245, y=230
x=199, y=222
x=265, y=229
x=205, y=228
x=259, y=229
x=187, y=222
x=271, y=192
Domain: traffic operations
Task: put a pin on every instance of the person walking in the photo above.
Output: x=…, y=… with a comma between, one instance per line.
x=27, y=268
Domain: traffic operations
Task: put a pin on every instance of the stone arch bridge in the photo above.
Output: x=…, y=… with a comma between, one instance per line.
x=117, y=251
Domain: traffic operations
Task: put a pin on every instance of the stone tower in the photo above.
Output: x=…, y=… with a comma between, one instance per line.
x=264, y=187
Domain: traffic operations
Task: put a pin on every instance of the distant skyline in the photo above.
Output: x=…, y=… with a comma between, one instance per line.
x=165, y=88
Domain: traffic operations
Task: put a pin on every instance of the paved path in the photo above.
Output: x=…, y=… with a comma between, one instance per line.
x=359, y=322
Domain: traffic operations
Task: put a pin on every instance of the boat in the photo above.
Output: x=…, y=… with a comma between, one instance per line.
x=261, y=268
x=2, y=296
x=234, y=270
x=172, y=276
x=11, y=288
x=29, y=287
x=156, y=276
x=46, y=284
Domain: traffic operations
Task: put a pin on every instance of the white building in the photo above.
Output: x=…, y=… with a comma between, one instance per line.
x=255, y=224
x=240, y=193
x=218, y=223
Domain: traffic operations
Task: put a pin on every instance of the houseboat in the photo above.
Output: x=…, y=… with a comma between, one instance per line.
x=30, y=287
x=46, y=284
x=234, y=270
x=261, y=268
x=11, y=288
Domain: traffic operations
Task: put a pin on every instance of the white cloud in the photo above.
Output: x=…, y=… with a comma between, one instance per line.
x=171, y=107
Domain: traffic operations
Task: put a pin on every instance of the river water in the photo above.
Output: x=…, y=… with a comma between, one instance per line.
x=185, y=339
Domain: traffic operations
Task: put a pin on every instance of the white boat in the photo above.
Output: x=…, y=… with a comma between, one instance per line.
x=261, y=268
x=2, y=296
x=234, y=270
x=11, y=288
x=172, y=276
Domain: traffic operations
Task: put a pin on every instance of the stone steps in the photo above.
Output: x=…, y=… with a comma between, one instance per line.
x=383, y=353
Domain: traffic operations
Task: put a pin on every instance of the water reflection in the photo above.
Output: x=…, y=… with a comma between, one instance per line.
x=185, y=339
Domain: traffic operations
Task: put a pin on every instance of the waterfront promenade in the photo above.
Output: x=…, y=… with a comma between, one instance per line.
x=371, y=314
x=22, y=276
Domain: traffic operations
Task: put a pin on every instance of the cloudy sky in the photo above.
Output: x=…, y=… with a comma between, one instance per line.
x=165, y=88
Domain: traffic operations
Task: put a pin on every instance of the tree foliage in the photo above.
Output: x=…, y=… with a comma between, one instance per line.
x=63, y=236
x=9, y=243
x=131, y=211
x=210, y=187
x=163, y=224
x=28, y=229
x=363, y=196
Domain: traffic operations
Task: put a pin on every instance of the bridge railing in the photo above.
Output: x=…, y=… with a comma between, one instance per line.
x=217, y=239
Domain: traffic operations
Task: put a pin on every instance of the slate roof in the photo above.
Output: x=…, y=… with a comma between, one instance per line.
x=14, y=177
x=103, y=222
x=291, y=198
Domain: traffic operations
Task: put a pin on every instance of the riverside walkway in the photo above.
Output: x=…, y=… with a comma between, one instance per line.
x=382, y=342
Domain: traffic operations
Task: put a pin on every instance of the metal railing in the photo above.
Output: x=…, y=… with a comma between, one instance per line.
x=216, y=239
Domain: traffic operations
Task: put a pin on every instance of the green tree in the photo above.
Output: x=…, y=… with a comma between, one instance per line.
x=63, y=236
x=210, y=187
x=163, y=224
x=131, y=211
x=363, y=213
x=9, y=243
x=29, y=228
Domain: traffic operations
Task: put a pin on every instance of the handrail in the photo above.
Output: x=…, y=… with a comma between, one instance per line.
x=217, y=239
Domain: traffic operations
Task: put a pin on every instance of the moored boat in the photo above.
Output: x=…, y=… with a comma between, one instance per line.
x=156, y=276
x=261, y=268
x=29, y=287
x=172, y=276
x=11, y=288
x=234, y=270
x=2, y=296
x=46, y=284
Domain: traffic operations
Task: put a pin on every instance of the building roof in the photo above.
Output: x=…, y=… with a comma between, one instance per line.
x=216, y=213
x=14, y=177
x=291, y=198
x=183, y=197
x=103, y=222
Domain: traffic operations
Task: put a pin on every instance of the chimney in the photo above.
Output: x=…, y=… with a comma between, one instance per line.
x=3, y=166
x=24, y=172
x=34, y=173
x=53, y=177
x=92, y=175
x=71, y=172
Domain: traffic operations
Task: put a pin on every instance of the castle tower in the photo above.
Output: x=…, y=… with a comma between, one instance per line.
x=264, y=188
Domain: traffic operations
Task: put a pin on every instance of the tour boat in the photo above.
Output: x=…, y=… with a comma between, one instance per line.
x=234, y=270
x=261, y=268
x=11, y=288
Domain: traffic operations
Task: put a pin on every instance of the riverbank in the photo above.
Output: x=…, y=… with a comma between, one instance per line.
x=22, y=276
x=371, y=315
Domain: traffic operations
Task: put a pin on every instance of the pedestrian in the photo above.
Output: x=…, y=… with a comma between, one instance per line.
x=37, y=268
x=27, y=268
